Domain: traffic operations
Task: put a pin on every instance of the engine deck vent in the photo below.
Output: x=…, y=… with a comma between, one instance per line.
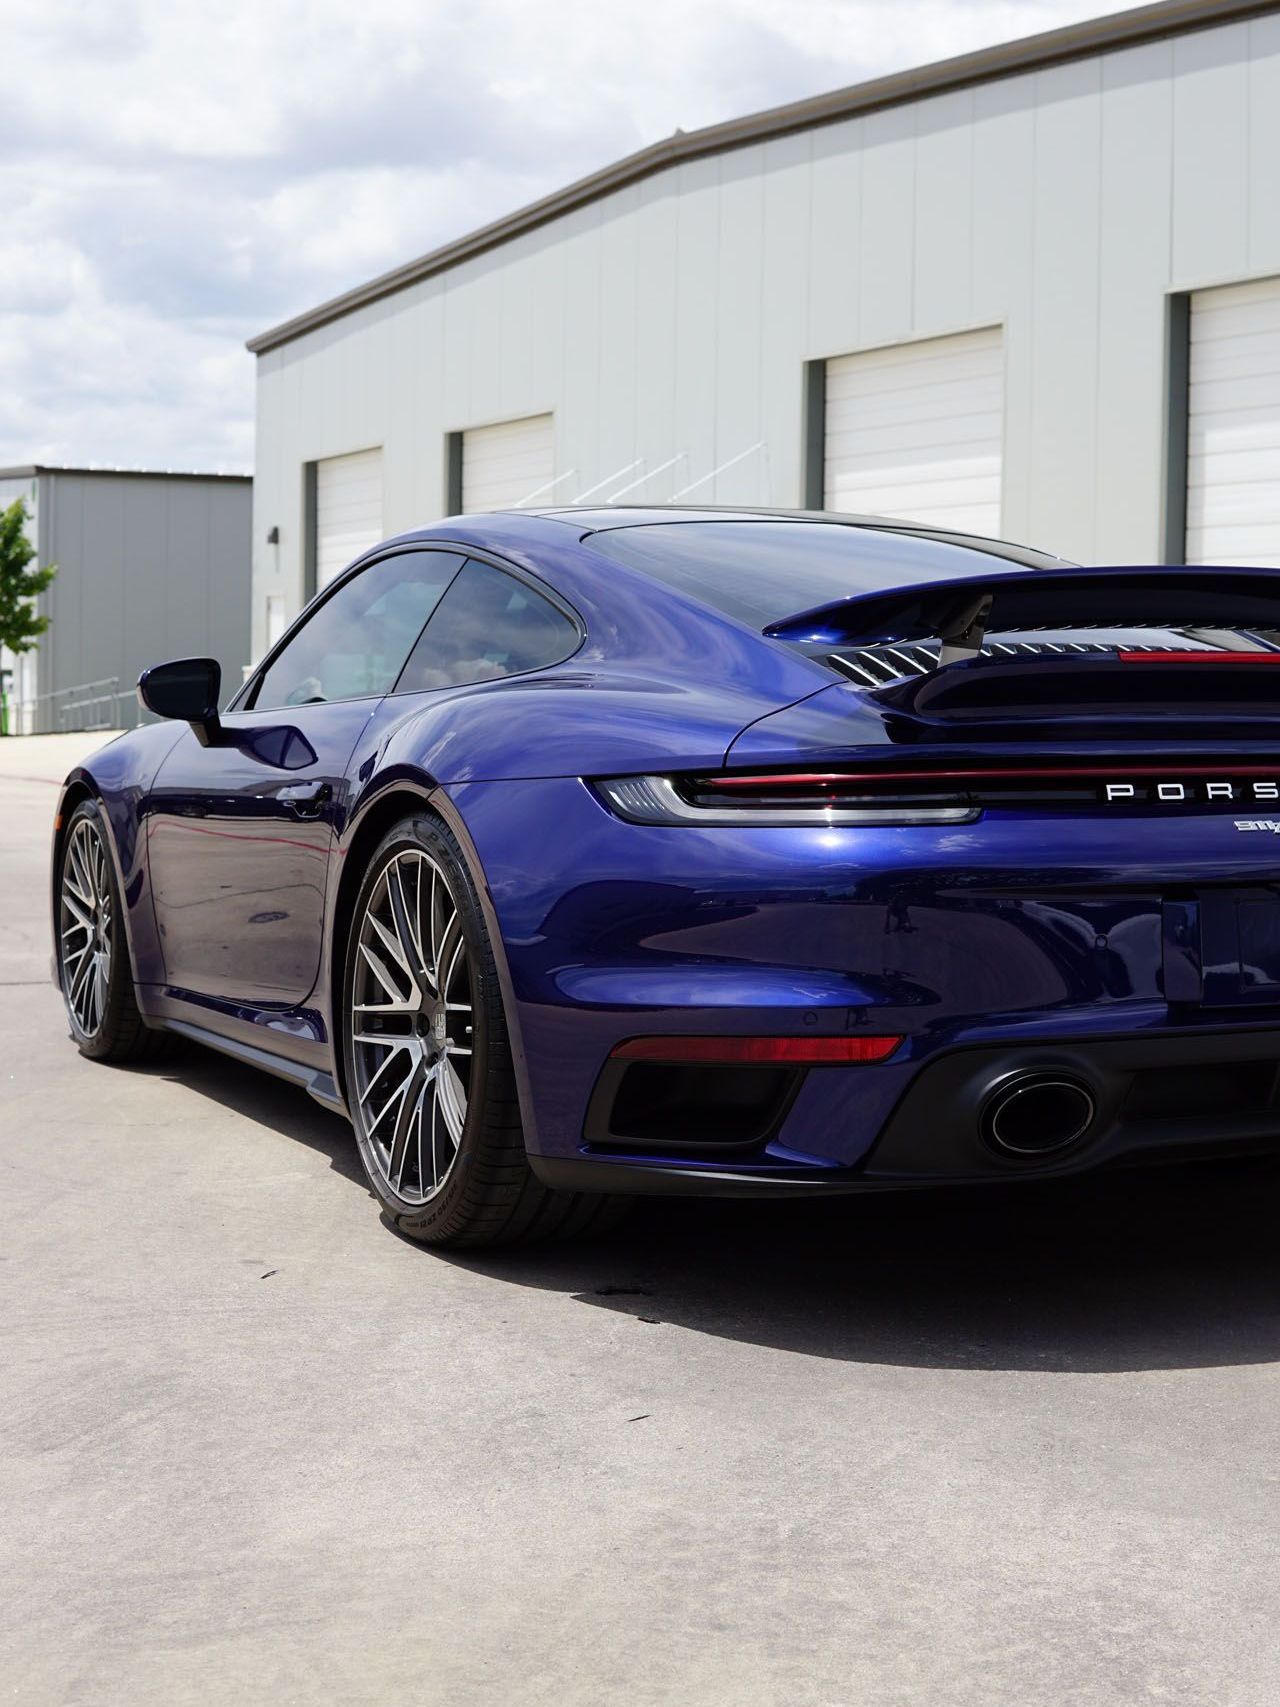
x=878, y=666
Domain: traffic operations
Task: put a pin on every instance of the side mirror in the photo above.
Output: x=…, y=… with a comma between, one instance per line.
x=186, y=689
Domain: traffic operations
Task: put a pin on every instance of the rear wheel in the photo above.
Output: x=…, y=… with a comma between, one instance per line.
x=93, y=958
x=430, y=1080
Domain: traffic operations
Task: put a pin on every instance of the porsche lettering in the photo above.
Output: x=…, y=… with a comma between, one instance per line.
x=1180, y=793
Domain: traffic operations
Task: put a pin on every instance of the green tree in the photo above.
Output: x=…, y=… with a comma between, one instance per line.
x=20, y=624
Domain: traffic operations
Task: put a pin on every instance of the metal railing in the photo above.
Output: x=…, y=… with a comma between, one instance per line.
x=85, y=706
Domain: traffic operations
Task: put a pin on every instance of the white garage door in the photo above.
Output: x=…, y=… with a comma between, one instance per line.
x=917, y=432
x=348, y=510
x=1233, y=429
x=504, y=465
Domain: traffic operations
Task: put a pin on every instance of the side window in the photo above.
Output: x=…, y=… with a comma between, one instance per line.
x=359, y=638
x=487, y=625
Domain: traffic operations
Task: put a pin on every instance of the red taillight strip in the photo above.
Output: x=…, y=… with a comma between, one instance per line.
x=807, y=779
x=759, y=1051
x=1199, y=657
x=804, y=779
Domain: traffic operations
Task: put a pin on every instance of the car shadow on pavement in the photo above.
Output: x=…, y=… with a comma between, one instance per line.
x=1169, y=1268
x=275, y=1103
x=1134, y=1268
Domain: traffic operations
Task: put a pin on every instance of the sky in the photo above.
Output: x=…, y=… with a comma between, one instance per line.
x=177, y=177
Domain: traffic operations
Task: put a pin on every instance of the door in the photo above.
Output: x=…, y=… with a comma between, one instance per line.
x=1233, y=426
x=348, y=511
x=240, y=834
x=504, y=465
x=916, y=432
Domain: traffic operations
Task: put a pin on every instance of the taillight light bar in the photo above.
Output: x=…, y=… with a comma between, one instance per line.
x=732, y=781
x=885, y=798
x=759, y=1051
x=1199, y=657
x=656, y=800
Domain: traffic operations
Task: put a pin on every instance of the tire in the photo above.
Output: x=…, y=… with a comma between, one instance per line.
x=429, y=1077
x=93, y=952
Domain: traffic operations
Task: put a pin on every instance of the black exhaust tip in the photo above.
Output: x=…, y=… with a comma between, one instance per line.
x=1036, y=1114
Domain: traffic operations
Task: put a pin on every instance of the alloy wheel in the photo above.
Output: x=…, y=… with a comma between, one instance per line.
x=412, y=1026
x=86, y=927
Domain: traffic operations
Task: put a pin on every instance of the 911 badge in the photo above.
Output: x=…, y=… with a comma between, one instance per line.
x=1272, y=824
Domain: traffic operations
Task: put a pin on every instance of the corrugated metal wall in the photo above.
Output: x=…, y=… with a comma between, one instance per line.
x=673, y=320
x=23, y=668
x=149, y=568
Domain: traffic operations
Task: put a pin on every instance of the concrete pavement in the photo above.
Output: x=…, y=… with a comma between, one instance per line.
x=1016, y=1447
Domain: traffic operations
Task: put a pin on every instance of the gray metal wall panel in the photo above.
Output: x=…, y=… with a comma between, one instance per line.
x=577, y=404
x=942, y=282
x=615, y=339
x=11, y=490
x=1210, y=176
x=24, y=668
x=697, y=269
x=830, y=261
x=1133, y=269
x=655, y=336
x=1064, y=371
x=148, y=569
x=886, y=229
x=784, y=302
x=739, y=426
x=1264, y=143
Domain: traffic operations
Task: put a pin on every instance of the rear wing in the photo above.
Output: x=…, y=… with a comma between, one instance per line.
x=961, y=613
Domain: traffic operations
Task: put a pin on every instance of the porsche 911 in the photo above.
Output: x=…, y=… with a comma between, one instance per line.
x=573, y=854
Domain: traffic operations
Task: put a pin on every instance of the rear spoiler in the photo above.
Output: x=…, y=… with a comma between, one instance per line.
x=961, y=613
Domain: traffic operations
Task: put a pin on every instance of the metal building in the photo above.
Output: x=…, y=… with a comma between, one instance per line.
x=150, y=566
x=1033, y=291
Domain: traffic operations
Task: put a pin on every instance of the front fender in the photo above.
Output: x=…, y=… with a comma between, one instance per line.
x=119, y=776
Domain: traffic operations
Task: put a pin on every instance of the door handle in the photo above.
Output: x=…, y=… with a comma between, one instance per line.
x=306, y=799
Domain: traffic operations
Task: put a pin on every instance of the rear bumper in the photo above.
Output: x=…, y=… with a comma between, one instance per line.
x=1157, y=1099
x=1185, y=1094
x=1010, y=944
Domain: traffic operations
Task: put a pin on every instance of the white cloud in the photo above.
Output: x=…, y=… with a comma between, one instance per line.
x=178, y=176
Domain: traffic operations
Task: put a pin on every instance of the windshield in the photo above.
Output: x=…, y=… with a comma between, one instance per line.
x=762, y=571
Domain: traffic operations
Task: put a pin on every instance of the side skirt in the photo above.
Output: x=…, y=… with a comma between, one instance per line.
x=316, y=1084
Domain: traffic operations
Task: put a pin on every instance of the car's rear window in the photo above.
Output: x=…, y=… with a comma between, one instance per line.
x=759, y=572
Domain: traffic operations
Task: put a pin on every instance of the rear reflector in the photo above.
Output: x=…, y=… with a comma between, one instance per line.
x=759, y=1051
x=1199, y=657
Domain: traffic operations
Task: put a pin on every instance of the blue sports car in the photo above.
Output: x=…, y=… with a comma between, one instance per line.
x=583, y=853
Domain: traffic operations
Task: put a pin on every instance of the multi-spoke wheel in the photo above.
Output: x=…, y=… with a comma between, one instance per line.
x=93, y=959
x=412, y=1026
x=86, y=927
x=429, y=1077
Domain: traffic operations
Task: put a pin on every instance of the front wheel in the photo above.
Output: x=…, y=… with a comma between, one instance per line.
x=93, y=957
x=430, y=1081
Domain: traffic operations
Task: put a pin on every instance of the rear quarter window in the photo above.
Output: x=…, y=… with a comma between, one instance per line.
x=487, y=626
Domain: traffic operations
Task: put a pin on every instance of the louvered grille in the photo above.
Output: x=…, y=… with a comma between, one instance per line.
x=877, y=666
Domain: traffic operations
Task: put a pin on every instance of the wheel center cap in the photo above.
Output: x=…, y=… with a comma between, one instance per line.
x=431, y=1030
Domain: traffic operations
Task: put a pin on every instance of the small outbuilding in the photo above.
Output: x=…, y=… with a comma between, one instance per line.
x=150, y=566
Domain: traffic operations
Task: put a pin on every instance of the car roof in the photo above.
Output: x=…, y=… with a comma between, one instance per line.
x=501, y=529
x=613, y=517
x=600, y=518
